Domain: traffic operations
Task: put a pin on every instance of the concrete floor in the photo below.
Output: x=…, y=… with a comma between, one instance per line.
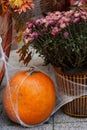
x=59, y=121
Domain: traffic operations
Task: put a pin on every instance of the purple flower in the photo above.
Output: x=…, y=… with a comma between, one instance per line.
x=35, y=35
x=39, y=22
x=76, y=20
x=29, y=25
x=66, y=34
x=49, y=23
x=54, y=22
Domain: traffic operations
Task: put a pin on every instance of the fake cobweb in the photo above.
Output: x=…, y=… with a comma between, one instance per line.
x=62, y=97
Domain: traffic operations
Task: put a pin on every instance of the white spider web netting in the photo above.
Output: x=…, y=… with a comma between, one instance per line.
x=74, y=88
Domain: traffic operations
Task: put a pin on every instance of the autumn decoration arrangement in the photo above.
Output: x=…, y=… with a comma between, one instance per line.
x=60, y=38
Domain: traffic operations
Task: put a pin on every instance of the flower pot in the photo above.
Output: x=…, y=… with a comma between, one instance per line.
x=73, y=85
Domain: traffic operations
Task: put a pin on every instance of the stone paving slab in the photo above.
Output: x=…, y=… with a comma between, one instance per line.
x=59, y=121
x=44, y=127
x=60, y=117
x=71, y=126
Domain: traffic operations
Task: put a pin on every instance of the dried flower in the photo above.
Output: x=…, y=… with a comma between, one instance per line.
x=17, y=5
x=21, y=5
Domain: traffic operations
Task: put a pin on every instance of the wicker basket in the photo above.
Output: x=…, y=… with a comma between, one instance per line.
x=73, y=85
x=54, y=5
x=46, y=5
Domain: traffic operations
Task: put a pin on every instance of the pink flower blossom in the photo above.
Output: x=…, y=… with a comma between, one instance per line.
x=39, y=22
x=77, y=14
x=55, y=31
x=62, y=25
x=27, y=31
x=29, y=25
x=84, y=17
x=57, y=13
x=75, y=20
x=49, y=23
x=28, y=40
x=34, y=35
x=54, y=23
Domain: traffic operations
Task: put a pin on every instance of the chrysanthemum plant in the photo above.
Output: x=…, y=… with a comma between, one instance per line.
x=60, y=38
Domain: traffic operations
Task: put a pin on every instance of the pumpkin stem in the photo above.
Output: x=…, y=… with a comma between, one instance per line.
x=31, y=71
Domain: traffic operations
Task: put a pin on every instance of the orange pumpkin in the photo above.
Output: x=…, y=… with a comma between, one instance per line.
x=30, y=96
